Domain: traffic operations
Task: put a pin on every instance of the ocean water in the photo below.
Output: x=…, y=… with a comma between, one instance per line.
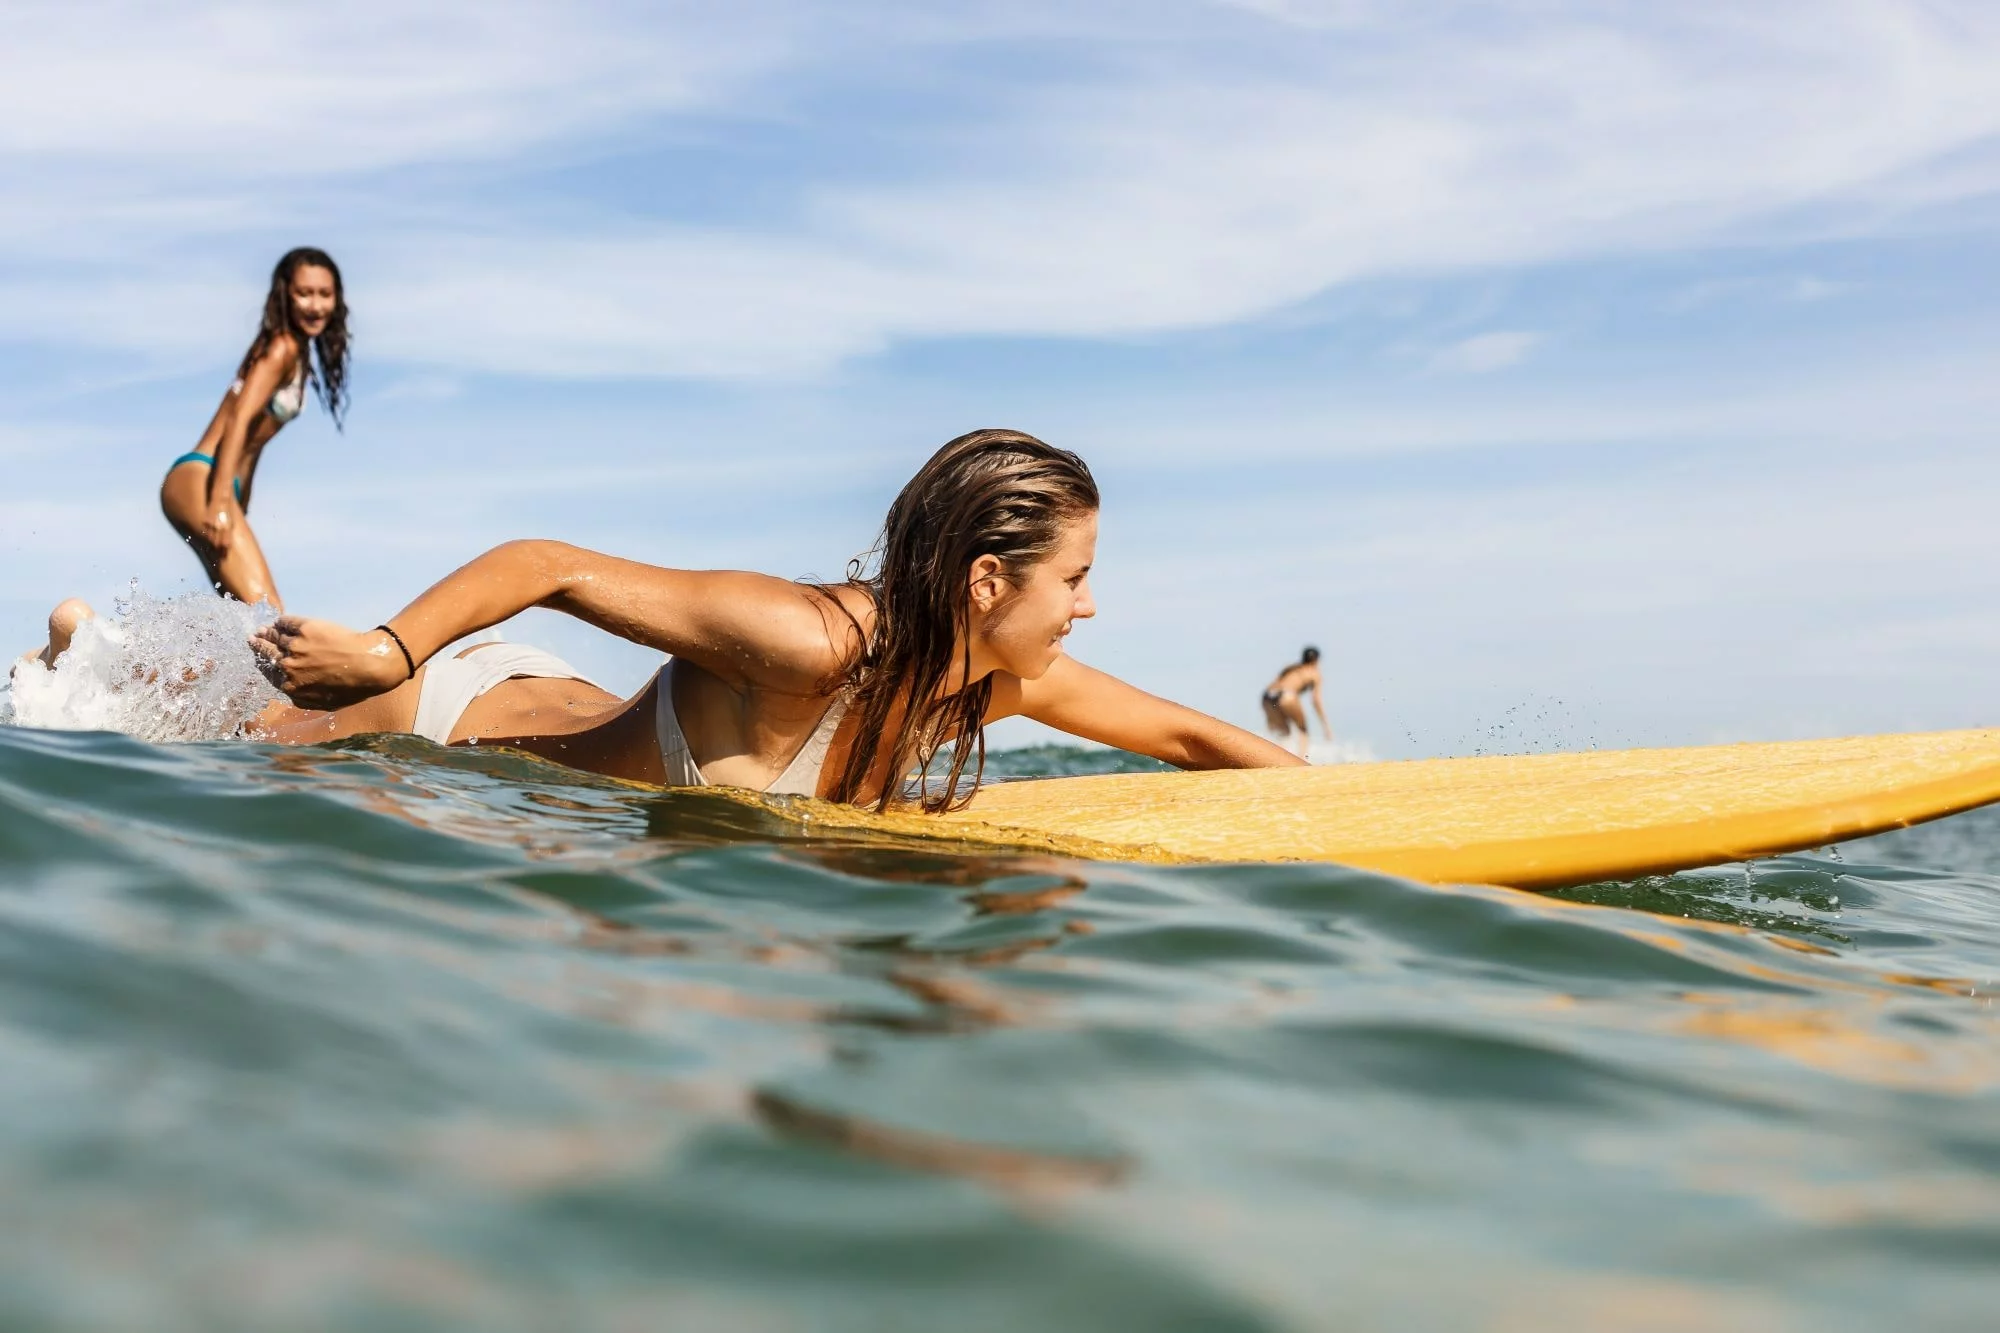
x=383, y=1036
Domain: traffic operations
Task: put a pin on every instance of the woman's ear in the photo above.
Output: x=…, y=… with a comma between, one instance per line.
x=986, y=582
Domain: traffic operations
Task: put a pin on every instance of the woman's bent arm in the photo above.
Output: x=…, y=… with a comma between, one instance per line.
x=257, y=388
x=747, y=629
x=1086, y=702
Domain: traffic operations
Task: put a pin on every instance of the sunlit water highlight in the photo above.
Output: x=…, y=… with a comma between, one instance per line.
x=381, y=1035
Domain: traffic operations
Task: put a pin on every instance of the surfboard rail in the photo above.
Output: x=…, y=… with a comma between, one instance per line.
x=1528, y=821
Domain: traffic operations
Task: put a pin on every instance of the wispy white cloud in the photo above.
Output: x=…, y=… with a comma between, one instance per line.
x=1184, y=167
x=1801, y=288
x=1484, y=353
x=238, y=91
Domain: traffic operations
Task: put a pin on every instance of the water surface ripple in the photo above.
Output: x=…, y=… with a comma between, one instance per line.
x=385, y=1036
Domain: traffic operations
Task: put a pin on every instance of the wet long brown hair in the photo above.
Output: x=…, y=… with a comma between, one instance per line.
x=991, y=492
x=329, y=378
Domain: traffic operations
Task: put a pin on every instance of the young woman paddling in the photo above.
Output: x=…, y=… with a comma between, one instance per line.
x=206, y=494
x=835, y=691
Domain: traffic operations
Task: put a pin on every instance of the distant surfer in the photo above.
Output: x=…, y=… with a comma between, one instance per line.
x=838, y=690
x=206, y=494
x=1284, y=708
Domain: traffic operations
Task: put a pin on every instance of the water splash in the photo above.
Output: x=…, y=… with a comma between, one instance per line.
x=1342, y=750
x=1539, y=724
x=172, y=669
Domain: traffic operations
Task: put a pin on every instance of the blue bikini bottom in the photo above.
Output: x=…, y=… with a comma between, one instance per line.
x=208, y=461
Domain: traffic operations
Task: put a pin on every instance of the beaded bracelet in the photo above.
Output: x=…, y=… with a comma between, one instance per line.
x=408, y=661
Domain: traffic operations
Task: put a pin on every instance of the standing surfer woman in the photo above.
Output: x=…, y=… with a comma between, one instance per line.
x=206, y=494
x=1282, y=707
x=835, y=690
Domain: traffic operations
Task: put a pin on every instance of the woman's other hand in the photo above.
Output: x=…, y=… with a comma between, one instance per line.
x=323, y=665
x=218, y=528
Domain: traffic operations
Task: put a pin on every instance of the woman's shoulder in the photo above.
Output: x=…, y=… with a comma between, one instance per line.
x=282, y=350
x=854, y=601
x=813, y=631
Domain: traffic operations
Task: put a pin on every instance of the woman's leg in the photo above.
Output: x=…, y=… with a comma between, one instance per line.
x=241, y=571
x=62, y=628
x=1295, y=716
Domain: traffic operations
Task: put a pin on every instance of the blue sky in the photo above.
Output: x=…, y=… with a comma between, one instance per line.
x=1572, y=373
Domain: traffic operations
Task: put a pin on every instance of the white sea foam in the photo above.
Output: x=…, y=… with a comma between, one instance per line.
x=1343, y=751
x=172, y=669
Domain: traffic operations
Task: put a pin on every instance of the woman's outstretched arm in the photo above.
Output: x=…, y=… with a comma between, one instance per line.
x=1086, y=702
x=1318, y=687
x=748, y=629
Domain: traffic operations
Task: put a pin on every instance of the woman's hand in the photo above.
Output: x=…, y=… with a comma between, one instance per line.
x=218, y=528
x=324, y=665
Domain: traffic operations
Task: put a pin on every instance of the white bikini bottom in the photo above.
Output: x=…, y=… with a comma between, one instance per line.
x=452, y=683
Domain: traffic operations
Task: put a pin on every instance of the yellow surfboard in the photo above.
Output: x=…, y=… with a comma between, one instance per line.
x=1531, y=821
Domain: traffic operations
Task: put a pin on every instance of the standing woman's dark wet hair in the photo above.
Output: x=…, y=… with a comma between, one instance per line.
x=329, y=377
x=991, y=492
x=1309, y=656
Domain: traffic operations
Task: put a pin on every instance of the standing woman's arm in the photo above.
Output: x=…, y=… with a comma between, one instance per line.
x=222, y=514
x=1318, y=687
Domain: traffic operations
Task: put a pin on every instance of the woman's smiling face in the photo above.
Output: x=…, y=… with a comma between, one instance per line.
x=313, y=298
x=1020, y=617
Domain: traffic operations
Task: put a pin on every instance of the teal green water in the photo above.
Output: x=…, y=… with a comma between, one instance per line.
x=383, y=1036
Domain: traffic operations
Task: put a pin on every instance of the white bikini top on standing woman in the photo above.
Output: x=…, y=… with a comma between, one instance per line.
x=801, y=776
x=288, y=401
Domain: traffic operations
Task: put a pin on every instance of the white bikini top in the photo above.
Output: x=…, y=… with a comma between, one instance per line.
x=288, y=401
x=801, y=776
